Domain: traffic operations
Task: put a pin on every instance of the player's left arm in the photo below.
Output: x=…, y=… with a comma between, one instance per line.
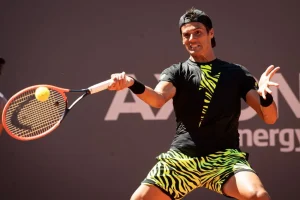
x=261, y=100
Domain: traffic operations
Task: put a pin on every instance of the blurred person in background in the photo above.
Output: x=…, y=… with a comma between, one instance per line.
x=2, y=98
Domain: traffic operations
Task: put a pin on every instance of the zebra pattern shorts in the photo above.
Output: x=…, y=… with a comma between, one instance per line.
x=177, y=174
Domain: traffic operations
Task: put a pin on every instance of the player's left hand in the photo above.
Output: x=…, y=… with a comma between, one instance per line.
x=264, y=81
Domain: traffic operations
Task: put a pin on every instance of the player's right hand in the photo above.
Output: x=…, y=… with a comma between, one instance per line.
x=120, y=81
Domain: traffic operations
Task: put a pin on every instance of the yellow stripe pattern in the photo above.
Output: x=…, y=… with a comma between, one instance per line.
x=208, y=82
x=179, y=174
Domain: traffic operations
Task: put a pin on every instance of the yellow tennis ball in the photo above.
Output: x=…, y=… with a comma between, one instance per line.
x=42, y=94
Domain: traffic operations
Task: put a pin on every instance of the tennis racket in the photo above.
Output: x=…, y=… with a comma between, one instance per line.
x=25, y=118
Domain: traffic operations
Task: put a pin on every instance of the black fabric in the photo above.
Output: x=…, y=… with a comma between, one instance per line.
x=200, y=17
x=137, y=87
x=266, y=102
x=2, y=62
x=206, y=125
x=249, y=82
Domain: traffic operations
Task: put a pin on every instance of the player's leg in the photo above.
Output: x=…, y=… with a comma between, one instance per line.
x=229, y=173
x=245, y=185
x=172, y=177
x=149, y=192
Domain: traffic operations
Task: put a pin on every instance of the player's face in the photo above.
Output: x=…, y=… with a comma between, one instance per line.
x=196, y=39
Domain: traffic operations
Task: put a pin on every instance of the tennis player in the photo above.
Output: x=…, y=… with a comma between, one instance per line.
x=206, y=93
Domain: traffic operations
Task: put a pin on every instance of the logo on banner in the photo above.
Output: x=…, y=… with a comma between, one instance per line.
x=287, y=139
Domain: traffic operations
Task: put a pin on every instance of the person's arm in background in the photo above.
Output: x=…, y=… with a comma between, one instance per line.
x=2, y=104
x=2, y=98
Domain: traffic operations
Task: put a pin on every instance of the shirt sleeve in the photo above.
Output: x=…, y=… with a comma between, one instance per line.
x=248, y=82
x=170, y=74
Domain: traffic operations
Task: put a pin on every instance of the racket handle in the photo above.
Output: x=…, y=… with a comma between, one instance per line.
x=99, y=86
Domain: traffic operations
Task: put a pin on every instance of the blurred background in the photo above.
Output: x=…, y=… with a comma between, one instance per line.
x=106, y=147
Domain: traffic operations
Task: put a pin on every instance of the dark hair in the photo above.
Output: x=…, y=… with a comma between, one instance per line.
x=195, y=15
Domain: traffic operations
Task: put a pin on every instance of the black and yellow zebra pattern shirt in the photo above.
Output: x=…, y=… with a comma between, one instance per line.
x=207, y=104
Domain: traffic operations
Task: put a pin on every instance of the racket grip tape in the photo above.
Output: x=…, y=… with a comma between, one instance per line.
x=99, y=86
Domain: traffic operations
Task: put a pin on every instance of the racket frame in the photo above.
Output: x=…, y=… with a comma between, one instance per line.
x=62, y=91
x=90, y=90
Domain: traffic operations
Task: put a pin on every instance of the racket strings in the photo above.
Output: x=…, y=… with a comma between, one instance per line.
x=28, y=117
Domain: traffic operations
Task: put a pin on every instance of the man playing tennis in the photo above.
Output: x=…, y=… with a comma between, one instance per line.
x=206, y=93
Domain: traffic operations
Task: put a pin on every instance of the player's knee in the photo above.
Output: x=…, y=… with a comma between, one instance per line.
x=263, y=195
x=136, y=196
x=259, y=194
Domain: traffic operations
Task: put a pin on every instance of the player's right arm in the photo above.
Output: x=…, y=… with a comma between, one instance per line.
x=157, y=97
x=162, y=93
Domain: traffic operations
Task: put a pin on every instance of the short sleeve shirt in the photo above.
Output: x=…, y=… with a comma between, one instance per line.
x=207, y=104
